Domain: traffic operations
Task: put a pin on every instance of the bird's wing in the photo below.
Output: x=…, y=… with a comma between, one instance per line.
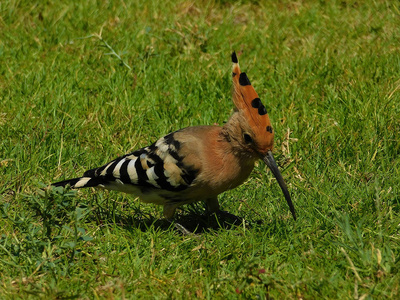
x=157, y=166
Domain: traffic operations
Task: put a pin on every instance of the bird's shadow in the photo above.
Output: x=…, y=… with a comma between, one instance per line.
x=192, y=221
x=58, y=203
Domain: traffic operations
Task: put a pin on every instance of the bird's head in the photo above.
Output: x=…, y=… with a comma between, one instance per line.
x=254, y=126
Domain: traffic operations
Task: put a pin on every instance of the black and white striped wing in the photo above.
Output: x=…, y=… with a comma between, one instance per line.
x=158, y=166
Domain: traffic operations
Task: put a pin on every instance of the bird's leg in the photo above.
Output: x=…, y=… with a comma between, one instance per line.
x=212, y=205
x=213, y=208
x=169, y=211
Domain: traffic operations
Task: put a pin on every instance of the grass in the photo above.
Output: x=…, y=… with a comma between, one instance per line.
x=82, y=83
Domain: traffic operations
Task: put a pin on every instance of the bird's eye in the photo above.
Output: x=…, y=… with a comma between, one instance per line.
x=247, y=138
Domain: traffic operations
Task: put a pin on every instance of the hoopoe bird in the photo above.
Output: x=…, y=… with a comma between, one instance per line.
x=195, y=163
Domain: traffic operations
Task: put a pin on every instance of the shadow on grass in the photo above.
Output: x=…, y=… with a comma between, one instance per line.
x=58, y=207
x=193, y=222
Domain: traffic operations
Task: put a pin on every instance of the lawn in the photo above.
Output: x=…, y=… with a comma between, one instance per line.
x=83, y=82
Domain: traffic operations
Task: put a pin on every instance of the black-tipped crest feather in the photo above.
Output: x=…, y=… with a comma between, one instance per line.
x=234, y=58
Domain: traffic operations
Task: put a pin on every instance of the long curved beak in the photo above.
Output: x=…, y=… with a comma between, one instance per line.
x=270, y=162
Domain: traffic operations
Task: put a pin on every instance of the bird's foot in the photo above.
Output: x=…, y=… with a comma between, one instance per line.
x=179, y=227
x=182, y=229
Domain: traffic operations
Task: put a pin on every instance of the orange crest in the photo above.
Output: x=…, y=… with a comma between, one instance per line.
x=247, y=101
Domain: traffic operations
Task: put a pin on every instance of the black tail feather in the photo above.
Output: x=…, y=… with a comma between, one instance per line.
x=89, y=182
x=64, y=183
